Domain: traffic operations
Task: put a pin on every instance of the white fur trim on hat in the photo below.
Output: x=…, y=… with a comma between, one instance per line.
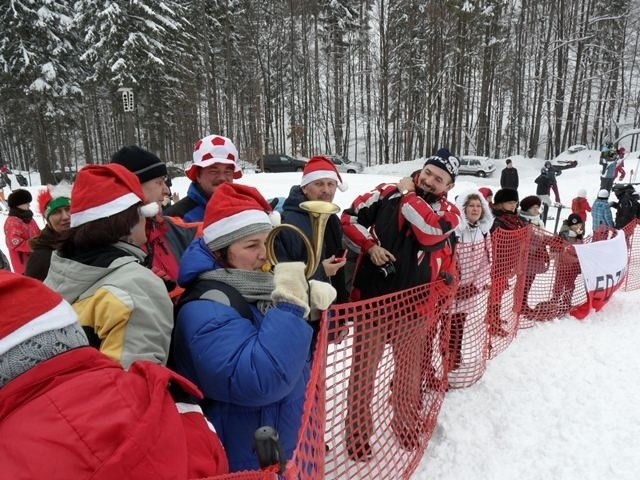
x=118, y=205
x=60, y=316
x=150, y=209
x=228, y=225
x=319, y=174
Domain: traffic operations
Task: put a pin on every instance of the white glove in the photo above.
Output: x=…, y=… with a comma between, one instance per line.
x=321, y=297
x=290, y=285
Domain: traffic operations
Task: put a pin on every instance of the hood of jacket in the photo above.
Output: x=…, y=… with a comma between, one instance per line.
x=293, y=201
x=197, y=194
x=197, y=259
x=71, y=277
x=485, y=223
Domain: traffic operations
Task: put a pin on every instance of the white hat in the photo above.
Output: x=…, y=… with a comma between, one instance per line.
x=211, y=150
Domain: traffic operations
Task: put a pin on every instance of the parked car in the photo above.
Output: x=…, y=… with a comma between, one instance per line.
x=576, y=148
x=276, y=162
x=479, y=166
x=564, y=164
x=344, y=165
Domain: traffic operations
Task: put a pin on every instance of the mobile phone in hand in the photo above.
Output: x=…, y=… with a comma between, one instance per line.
x=341, y=257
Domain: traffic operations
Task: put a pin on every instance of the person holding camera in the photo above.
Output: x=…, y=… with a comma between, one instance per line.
x=404, y=232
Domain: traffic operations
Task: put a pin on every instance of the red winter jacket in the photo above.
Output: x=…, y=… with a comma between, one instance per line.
x=17, y=235
x=167, y=239
x=79, y=415
x=418, y=229
x=580, y=206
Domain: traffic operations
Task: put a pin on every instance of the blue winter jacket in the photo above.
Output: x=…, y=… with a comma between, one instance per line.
x=253, y=372
x=190, y=208
x=601, y=214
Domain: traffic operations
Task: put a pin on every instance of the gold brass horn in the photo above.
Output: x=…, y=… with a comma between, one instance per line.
x=319, y=212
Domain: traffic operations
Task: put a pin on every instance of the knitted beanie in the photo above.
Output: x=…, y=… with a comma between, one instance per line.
x=233, y=212
x=143, y=163
x=446, y=161
x=36, y=324
x=19, y=197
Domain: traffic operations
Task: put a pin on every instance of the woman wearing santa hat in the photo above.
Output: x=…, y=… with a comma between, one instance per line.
x=67, y=411
x=122, y=305
x=241, y=333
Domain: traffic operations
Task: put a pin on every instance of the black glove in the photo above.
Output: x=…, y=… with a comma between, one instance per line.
x=447, y=277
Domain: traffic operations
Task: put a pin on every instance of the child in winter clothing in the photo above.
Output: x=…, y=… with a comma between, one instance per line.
x=601, y=214
x=19, y=228
x=568, y=266
x=580, y=206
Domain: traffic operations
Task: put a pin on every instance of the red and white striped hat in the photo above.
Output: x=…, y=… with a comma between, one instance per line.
x=214, y=149
x=29, y=308
x=104, y=190
x=319, y=167
x=233, y=212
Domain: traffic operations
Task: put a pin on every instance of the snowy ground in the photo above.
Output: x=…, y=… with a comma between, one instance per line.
x=561, y=401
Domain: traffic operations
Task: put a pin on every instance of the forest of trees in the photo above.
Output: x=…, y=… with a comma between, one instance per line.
x=380, y=81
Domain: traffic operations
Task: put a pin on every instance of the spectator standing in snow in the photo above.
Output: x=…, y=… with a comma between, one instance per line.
x=627, y=207
x=320, y=181
x=19, y=228
x=242, y=333
x=474, y=263
x=580, y=205
x=620, y=171
x=54, y=203
x=551, y=173
x=543, y=189
x=122, y=305
x=68, y=411
x=215, y=161
x=568, y=266
x=610, y=161
x=167, y=237
x=601, y=212
x=404, y=233
x=506, y=218
x=538, y=255
x=509, y=176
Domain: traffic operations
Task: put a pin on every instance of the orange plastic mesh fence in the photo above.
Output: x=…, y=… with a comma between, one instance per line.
x=509, y=257
x=552, y=284
x=377, y=392
x=632, y=232
x=385, y=381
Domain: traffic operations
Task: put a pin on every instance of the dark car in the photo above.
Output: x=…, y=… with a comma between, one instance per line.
x=282, y=163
